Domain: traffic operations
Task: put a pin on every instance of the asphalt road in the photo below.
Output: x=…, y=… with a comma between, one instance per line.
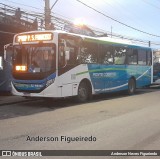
x=111, y=122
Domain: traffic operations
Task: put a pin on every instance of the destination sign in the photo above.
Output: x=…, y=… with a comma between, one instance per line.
x=34, y=37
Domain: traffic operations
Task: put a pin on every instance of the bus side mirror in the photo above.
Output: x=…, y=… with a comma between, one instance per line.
x=1, y=63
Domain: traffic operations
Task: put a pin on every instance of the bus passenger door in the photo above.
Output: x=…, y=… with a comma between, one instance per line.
x=67, y=61
x=64, y=82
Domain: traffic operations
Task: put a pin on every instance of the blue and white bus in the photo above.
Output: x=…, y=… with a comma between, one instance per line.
x=60, y=64
x=5, y=69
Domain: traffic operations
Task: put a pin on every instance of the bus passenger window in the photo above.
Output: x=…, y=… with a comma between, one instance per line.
x=106, y=53
x=142, y=60
x=119, y=55
x=132, y=57
x=89, y=52
x=149, y=58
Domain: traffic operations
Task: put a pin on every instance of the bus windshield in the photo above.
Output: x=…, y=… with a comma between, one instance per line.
x=34, y=58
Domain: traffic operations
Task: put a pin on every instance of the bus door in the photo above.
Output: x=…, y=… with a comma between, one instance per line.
x=67, y=61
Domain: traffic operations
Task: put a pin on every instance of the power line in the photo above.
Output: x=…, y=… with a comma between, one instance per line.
x=23, y=12
x=60, y=22
x=155, y=6
x=54, y=4
x=118, y=20
x=22, y=4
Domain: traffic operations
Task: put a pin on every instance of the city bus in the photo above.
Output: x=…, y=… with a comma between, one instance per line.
x=59, y=64
x=5, y=69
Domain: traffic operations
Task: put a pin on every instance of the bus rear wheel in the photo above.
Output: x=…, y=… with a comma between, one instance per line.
x=83, y=92
x=131, y=86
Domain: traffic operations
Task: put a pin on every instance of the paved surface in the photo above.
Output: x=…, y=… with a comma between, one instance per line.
x=117, y=121
x=9, y=99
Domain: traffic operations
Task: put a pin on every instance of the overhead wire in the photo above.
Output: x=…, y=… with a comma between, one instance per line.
x=139, y=17
x=62, y=21
x=155, y=6
x=22, y=4
x=117, y=20
x=129, y=12
x=118, y=7
x=54, y=4
x=125, y=11
x=39, y=14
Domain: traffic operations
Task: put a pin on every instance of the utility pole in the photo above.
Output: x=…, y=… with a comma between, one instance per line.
x=47, y=14
x=149, y=43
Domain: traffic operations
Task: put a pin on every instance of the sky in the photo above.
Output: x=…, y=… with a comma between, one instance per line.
x=124, y=17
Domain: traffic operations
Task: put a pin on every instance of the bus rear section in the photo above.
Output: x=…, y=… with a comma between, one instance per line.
x=156, y=67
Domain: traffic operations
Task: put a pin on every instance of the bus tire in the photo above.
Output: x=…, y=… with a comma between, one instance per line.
x=83, y=92
x=131, y=86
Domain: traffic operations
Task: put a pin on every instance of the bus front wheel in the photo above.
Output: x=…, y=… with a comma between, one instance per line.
x=83, y=92
x=131, y=86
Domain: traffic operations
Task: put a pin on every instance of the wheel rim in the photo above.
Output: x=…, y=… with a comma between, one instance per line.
x=82, y=92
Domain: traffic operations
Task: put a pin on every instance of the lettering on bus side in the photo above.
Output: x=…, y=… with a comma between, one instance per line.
x=106, y=74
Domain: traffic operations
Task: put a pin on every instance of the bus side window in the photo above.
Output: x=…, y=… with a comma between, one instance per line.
x=132, y=57
x=149, y=58
x=119, y=55
x=106, y=53
x=142, y=58
x=68, y=51
x=89, y=52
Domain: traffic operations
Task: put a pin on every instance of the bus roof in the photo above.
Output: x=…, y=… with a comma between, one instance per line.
x=103, y=39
